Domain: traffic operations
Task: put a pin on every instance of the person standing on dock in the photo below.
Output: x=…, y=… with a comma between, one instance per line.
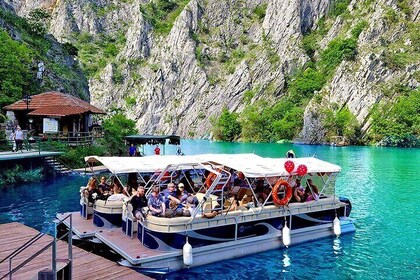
x=132, y=150
x=157, y=150
x=19, y=139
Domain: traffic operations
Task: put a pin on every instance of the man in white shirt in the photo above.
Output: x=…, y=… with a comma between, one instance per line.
x=19, y=139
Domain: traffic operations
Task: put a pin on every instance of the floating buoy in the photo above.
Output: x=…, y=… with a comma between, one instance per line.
x=286, y=235
x=187, y=253
x=337, y=226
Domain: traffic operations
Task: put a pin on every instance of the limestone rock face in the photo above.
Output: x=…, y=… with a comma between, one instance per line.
x=217, y=50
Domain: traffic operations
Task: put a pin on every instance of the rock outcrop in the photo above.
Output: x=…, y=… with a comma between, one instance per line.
x=216, y=50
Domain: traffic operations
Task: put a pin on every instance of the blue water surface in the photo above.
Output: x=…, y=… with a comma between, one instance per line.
x=382, y=184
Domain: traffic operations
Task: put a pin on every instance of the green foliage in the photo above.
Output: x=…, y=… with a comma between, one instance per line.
x=13, y=80
x=115, y=128
x=130, y=101
x=390, y=15
x=338, y=7
x=396, y=60
x=162, y=13
x=355, y=32
x=338, y=50
x=305, y=84
x=397, y=122
x=404, y=6
x=260, y=12
x=96, y=52
x=74, y=157
x=248, y=95
x=37, y=20
x=262, y=123
x=288, y=122
x=17, y=175
x=309, y=43
x=227, y=127
x=341, y=122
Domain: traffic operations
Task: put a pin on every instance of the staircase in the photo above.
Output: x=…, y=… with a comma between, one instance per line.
x=56, y=166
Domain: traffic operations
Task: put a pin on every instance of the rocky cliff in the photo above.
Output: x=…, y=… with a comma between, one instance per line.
x=175, y=73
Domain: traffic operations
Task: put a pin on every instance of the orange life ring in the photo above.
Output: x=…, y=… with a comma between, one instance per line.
x=287, y=196
x=209, y=180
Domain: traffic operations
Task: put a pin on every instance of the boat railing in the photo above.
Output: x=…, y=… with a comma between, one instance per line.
x=53, y=244
x=179, y=224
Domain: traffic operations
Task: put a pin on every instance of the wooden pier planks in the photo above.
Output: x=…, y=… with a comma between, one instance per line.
x=85, y=265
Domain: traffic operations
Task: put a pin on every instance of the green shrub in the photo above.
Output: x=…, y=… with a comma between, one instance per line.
x=162, y=13
x=355, y=32
x=337, y=50
x=74, y=157
x=341, y=122
x=17, y=175
x=115, y=128
x=130, y=101
x=305, y=84
x=13, y=79
x=399, y=120
x=37, y=20
x=260, y=11
x=404, y=6
x=227, y=127
x=338, y=7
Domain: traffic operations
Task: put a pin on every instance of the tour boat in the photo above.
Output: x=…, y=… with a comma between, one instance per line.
x=266, y=218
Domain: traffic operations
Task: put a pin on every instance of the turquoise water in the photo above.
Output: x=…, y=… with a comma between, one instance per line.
x=382, y=184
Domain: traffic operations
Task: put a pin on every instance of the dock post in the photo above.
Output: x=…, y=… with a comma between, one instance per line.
x=54, y=253
x=70, y=242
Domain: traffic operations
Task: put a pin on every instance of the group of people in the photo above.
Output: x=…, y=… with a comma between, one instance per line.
x=301, y=194
x=104, y=191
x=133, y=151
x=174, y=201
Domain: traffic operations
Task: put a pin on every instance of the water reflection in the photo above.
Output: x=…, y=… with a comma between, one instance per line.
x=337, y=246
x=286, y=260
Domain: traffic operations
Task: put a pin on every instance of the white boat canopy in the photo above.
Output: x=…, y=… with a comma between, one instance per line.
x=253, y=166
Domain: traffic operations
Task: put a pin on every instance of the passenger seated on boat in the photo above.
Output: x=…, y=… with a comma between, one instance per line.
x=169, y=194
x=239, y=180
x=174, y=210
x=139, y=201
x=298, y=192
x=104, y=189
x=191, y=203
x=131, y=184
x=188, y=182
x=311, y=191
x=231, y=205
x=91, y=190
x=181, y=193
x=118, y=193
x=156, y=203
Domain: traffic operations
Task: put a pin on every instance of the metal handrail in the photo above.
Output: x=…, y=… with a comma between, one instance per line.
x=23, y=247
x=52, y=244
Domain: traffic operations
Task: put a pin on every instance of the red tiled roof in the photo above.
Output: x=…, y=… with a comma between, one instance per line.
x=54, y=104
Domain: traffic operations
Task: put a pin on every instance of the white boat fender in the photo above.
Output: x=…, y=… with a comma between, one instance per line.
x=337, y=226
x=286, y=235
x=187, y=253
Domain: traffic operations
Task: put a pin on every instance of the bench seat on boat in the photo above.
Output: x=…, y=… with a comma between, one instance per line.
x=104, y=206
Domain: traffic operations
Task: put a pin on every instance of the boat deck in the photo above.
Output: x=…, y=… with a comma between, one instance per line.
x=81, y=227
x=85, y=265
x=129, y=248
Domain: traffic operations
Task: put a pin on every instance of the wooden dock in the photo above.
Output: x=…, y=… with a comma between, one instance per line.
x=85, y=265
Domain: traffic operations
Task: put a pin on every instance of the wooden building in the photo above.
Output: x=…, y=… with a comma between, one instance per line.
x=52, y=112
